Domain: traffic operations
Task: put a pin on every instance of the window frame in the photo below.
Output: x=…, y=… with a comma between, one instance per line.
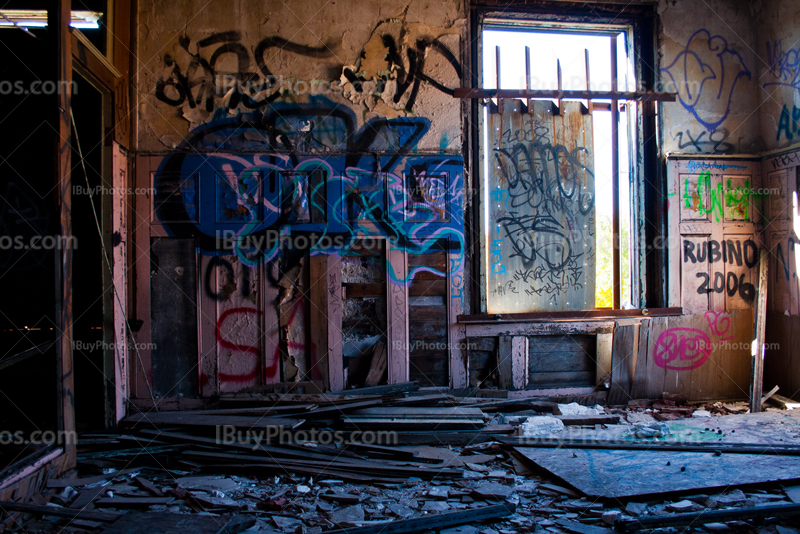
x=646, y=179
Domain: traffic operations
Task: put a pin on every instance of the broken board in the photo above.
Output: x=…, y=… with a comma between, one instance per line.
x=626, y=473
x=160, y=523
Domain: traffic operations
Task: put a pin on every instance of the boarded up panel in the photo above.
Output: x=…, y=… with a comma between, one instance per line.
x=559, y=361
x=712, y=209
x=739, y=261
x=781, y=354
x=623, y=363
x=703, y=356
x=241, y=358
x=695, y=274
x=783, y=281
x=427, y=318
x=626, y=473
x=541, y=243
x=119, y=260
x=656, y=374
x=173, y=290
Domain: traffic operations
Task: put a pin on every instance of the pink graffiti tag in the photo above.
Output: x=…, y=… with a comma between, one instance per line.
x=682, y=349
x=718, y=327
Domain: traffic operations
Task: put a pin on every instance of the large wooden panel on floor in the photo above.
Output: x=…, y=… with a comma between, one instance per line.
x=626, y=473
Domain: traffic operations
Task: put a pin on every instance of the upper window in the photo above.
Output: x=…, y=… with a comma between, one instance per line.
x=548, y=168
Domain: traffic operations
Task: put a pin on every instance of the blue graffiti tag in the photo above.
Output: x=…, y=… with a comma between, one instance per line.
x=302, y=170
x=699, y=76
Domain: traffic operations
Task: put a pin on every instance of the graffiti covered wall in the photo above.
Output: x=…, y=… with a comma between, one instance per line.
x=711, y=65
x=281, y=132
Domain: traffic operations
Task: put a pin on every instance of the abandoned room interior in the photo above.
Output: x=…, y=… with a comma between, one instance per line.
x=452, y=266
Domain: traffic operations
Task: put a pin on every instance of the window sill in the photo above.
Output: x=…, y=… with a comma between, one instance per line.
x=567, y=316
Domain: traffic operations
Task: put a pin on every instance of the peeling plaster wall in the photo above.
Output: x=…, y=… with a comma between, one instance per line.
x=778, y=49
x=708, y=57
x=306, y=42
x=206, y=64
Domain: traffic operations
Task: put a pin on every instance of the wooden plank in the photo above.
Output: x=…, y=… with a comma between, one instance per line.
x=361, y=290
x=326, y=320
x=388, y=389
x=656, y=375
x=92, y=64
x=707, y=516
x=78, y=482
x=141, y=377
x=539, y=328
x=757, y=377
x=90, y=515
x=456, y=333
x=591, y=420
x=628, y=473
x=125, y=502
x=504, y=363
x=433, y=521
x=696, y=275
x=358, y=466
x=623, y=363
x=519, y=362
x=603, y=358
x=413, y=411
x=163, y=523
x=575, y=378
x=120, y=45
x=181, y=419
x=116, y=361
x=87, y=496
x=593, y=315
x=378, y=365
x=639, y=384
x=60, y=40
x=783, y=402
x=397, y=313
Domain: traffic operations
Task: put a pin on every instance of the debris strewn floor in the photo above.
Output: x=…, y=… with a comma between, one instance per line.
x=446, y=464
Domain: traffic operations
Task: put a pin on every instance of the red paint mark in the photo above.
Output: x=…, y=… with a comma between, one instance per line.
x=682, y=349
x=225, y=377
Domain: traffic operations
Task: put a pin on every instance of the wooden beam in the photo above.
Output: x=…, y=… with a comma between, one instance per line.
x=122, y=19
x=92, y=64
x=326, y=320
x=58, y=18
x=512, y=362
x=397, y=313
x=589, y=315
x=757, y=376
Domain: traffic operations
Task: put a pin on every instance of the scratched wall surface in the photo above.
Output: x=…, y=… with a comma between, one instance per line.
x=707, y=57
x=541, y=213
x=399, y=59
x=778, y=32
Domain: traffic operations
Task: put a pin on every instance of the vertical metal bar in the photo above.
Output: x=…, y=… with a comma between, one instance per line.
x=497, y=74
x=615, y=180
x=558, y=75
x=528, y=75
x=58, y=19
x=497, y=66
x=589, y=104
